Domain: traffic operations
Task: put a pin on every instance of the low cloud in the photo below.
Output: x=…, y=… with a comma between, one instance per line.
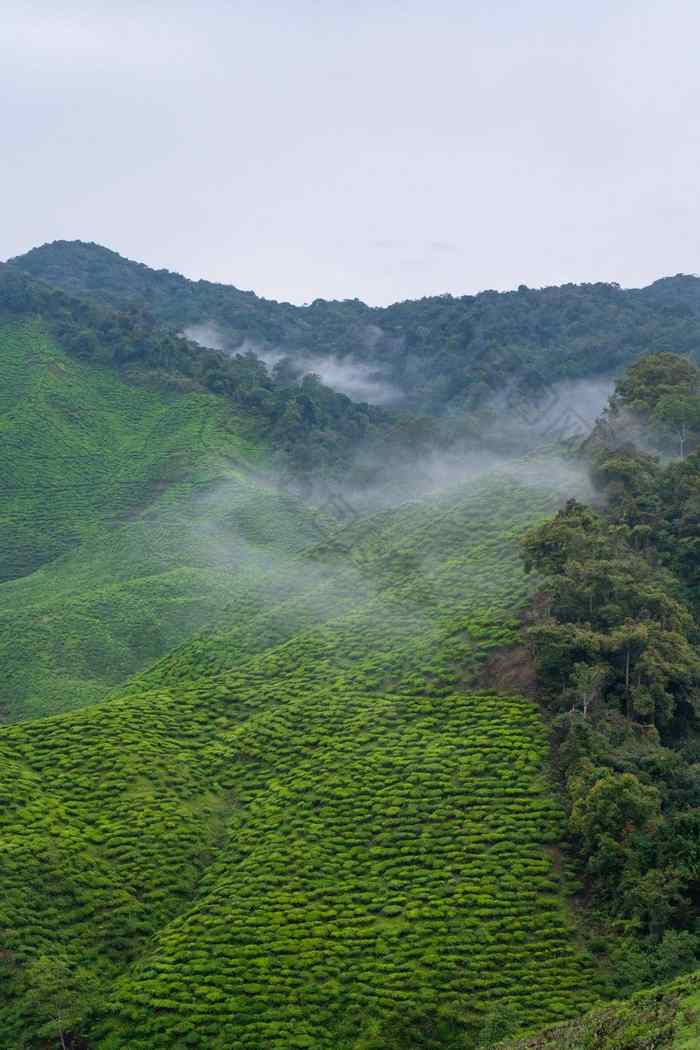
x=347, y=375
x=359, y=381
x=208, y=335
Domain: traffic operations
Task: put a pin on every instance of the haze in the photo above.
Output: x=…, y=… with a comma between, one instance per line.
x=384, y=151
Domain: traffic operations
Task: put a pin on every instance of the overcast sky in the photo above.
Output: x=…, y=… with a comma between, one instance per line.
x=379, y=150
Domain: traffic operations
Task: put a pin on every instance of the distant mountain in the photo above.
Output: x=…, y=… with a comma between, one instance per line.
x=440, y=354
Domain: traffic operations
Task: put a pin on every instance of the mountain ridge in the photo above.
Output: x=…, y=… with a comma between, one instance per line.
x=440, y=355
x=37, y=260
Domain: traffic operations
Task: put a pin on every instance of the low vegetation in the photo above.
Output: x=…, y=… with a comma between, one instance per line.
x=304, y=827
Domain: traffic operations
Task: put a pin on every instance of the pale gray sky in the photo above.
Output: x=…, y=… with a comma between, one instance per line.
x=380, y=150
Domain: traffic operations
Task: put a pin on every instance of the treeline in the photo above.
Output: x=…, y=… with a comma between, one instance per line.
x=445, y=354
x=615, y=632
x=317, y=434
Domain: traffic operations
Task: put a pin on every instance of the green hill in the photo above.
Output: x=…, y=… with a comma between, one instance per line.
x=126, y=522
x=82, y=449
x=280, y=780
x=285, y=834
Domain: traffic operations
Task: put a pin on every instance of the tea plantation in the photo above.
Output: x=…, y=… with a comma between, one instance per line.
x=290, y=831
x=270, y=779
x=128, y=518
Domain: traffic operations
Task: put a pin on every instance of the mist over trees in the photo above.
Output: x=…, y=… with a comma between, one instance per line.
x=441, y=354
x=615, y=640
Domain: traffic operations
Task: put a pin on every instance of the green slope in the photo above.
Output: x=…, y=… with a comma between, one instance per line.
x=82, y=449
x=133, y=507
x=286, y=833
x=319, y=822
x=74, y=629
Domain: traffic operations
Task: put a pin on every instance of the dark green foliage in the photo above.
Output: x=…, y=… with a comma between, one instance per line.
x=443, y=353
x=330, y=432
x=656, y=403
x=653, y=379
x=615, y=640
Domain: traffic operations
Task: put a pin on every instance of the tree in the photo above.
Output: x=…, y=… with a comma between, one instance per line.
x=58, y=996
x=679, y=414
x=614, y=805
x=651, y=379
x=573, y=533
x=588, y=683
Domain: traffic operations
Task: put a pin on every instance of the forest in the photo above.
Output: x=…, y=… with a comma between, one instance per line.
x=441, y=356
x=614, y=633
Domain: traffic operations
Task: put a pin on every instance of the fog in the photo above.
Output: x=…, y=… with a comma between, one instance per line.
x=566, y=409
x=208, y=335
x=527, y=438
x=347, y=375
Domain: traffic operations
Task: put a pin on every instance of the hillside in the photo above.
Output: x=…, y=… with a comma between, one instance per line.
x=82, y=449
x=143, y=483
x=126, y=521
x=440, y=355
x=295, y=756
x=351, y=827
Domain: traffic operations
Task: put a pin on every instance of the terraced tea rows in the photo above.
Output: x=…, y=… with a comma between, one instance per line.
x=386, y=852
x=287, y=831
x=139, y=512
x=80, y=626
x=414, y=598
x=667, y=1016
x=82, y=448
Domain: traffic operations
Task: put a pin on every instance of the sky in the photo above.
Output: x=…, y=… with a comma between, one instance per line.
x=382, y=150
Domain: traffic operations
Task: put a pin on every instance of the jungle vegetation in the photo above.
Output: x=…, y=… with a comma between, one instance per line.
x=444, y=355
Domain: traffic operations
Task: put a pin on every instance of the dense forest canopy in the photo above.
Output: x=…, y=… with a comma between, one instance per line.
x=615, y=635
x=438, y=355
x=316, y=432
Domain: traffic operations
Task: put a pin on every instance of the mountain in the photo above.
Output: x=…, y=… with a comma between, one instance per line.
x=292, y=754
x=439, y=355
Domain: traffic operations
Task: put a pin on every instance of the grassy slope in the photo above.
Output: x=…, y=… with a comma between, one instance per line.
x=82, y=449
x=310, y=820
x=108, y=496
